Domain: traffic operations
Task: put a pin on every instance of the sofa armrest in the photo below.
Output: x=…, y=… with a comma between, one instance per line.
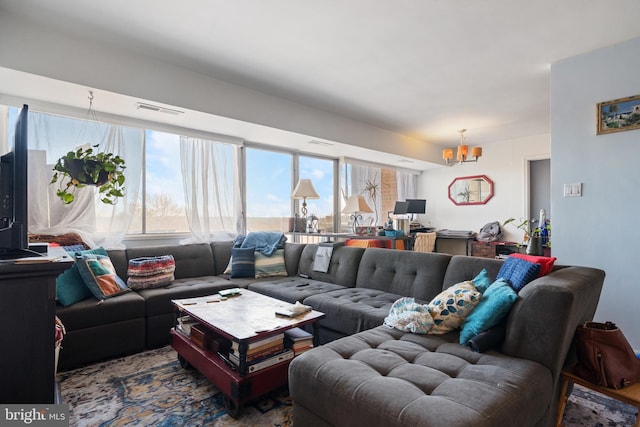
x=543, y=320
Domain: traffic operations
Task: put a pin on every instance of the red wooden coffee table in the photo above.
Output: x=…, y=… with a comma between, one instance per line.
x=244, y=318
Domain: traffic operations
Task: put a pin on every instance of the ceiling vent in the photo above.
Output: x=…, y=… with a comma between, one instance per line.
x=151, y=107
x=316, y=142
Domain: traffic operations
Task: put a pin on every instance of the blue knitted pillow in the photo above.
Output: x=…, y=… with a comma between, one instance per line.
x=518, y=272
x=243, y=262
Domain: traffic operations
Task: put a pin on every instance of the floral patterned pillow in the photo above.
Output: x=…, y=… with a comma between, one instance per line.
x=449, y=308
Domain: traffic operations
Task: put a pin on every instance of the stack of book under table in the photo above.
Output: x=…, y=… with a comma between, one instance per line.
x=263, y=353
x=298, y=340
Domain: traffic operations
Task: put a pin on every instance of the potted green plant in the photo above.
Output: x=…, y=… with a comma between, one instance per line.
x=523, y=225
x=83, y=167
x=532, y=237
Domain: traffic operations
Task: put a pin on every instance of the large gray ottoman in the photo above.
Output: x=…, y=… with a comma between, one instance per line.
x=384, y=377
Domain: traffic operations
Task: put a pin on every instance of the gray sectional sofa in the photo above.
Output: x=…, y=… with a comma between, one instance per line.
x=366, y=373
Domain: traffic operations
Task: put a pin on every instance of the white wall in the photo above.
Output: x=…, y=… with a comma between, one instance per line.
x=505, y=163
x=601, y=228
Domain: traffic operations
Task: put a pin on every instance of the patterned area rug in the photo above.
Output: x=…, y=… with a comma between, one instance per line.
x=151, y=389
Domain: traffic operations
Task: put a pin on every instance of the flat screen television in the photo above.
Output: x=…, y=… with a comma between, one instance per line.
x=13, y=193
x=401, y=208
x=417, y=206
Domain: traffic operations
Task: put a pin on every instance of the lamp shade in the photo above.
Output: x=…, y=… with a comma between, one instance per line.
x=356, y=204
x=304, y=190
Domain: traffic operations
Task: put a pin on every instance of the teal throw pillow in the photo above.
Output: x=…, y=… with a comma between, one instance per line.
x=482, y=281
x=70, y=288
x=242, y=263
x=518, y=272
x=496, y=302
x=100, y=276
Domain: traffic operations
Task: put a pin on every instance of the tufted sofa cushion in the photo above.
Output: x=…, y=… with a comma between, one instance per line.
x=292, y=289
x=414, y=274
x=342, y=268
x=384, y=377
x=463, y=268
x=352, y=310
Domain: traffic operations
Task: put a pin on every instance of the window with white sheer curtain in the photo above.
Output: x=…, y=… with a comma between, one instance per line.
x=367, y=181
x=187, y=184
x=407, y=185
x=204, y=174
x=52, y=136
x=364, y=179
x=211, y=188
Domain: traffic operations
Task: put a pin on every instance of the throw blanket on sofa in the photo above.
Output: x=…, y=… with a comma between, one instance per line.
x=264, y=241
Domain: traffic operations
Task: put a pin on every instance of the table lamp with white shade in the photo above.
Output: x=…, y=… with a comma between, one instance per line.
x=304, y=190
x=355, y=206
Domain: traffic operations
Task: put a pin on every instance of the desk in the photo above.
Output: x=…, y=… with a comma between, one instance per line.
x=406, y=240
x=629, y=395
x=467, y=239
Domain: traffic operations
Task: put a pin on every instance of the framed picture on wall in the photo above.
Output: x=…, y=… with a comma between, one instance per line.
x=619, y=115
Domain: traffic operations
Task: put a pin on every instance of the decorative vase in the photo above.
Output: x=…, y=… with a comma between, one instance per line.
x=534, y=247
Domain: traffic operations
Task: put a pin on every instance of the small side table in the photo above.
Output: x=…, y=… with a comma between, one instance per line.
x=629, y=395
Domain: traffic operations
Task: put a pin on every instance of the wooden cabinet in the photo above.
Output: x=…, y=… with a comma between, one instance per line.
x=27, y=316
x=494, y=249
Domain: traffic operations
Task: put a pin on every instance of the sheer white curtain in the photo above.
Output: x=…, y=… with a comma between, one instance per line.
x=212, y=189
x=407, y=185
x=365, y=180
x=50, y=137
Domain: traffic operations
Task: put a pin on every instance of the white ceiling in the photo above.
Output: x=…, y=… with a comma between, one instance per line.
x=422, y=68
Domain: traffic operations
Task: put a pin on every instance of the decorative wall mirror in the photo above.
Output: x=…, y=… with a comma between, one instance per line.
x=471, y=190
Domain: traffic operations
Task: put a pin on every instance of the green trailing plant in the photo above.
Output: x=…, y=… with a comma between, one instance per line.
x=83, y=167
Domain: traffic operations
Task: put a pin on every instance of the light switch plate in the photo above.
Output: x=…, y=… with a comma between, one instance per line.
x=573, y=190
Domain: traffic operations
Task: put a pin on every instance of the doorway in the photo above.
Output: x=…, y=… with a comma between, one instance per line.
x=539, y=190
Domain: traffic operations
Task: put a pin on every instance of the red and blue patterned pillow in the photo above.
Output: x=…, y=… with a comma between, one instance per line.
x=151, y=272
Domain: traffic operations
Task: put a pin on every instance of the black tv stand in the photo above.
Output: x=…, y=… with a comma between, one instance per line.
x=11, y=254
x=27, y=298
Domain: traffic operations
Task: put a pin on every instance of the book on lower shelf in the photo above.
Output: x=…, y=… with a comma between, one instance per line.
x=298, y=340
x=185, y=323
x=256, y=346
x=255, y=355
x=299, y=350
x=264, y=362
